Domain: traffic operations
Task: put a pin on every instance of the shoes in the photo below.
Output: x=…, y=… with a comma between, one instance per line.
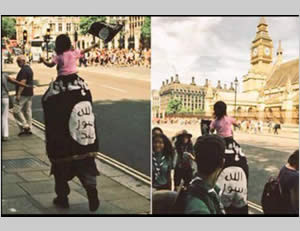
x=94, y=202
x=27, y=131
x=61, y=202
x=22, y=133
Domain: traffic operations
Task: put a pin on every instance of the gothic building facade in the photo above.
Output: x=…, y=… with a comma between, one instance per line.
x=270, y=88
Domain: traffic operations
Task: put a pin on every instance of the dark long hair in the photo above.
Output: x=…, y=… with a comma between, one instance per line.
x=210, y=153
x=168, y=151
x=62, y=44
x=179, y=144
x=220, y=109
x=294, y=159
x=157, y=129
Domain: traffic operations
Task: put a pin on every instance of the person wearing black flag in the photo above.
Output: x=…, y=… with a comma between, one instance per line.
x=71, y=132
x=233, y=179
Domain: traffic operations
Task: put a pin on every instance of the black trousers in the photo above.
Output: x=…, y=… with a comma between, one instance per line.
x=62, y=187
x=85, y=170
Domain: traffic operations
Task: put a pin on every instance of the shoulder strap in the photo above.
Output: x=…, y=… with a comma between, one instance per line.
x=200, y=194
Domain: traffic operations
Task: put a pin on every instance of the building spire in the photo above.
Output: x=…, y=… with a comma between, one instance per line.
x=279, y=50
x=262, y=20
x=279, y=53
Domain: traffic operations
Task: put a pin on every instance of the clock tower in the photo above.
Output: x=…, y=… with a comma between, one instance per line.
x=260, y=58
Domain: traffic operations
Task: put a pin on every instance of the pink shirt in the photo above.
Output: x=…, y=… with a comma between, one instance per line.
x=223, y=126
x=66, y=62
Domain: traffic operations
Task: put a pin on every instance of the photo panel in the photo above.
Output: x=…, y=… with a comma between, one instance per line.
x=225, y=115
x=76, y=104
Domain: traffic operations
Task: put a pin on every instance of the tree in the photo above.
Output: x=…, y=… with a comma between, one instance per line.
x=183, y=110
x=146, y=32
x=174, y=106
x=9, y=27
x=199, y=111
x=87, y=21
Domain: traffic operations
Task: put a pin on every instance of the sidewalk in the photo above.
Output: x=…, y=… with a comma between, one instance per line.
x=27, y=187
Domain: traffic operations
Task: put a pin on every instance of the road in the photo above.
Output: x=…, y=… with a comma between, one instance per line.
x=265, y=153
x=122, y=108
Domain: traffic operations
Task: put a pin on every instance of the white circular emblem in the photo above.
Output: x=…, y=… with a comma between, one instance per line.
x=103, y=33
x=233, y=183
x=82, y=122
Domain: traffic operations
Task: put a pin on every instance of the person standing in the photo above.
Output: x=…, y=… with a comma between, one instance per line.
x=162, y=163
x=270, y=126
x=234, y=174
x=202, y=195
x=276, y=127
x=5, y=103
x=22, y=108
x=4, y=107
x=184, y=153
x=72, y=140
x=289, y=182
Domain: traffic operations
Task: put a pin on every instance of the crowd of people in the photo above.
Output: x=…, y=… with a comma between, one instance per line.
x=99, y=57
x=117, y=57
x=247, y=126
x=211, y=175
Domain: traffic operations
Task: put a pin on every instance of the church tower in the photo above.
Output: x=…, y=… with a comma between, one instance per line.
x=260, y=58
x=279, y=54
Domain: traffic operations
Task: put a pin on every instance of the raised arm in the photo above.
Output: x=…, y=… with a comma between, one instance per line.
x=90, y=48
x=48, y=64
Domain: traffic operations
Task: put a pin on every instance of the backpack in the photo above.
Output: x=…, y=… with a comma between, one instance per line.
x=272, y=201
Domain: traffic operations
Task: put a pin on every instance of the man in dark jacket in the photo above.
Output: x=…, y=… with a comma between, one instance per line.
x=23, y=101
x=202, y=196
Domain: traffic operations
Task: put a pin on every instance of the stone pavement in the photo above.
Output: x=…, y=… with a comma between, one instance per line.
x=27, y=187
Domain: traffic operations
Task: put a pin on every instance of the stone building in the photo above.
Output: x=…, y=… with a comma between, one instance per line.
x=155, y=103
x=270, y=88
x=36, y=27
x=274, y=84
x=195, y=99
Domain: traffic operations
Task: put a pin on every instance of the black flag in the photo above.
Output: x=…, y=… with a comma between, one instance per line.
x=105, y=31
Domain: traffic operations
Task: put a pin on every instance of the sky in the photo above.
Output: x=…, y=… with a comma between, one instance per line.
x=216, y=48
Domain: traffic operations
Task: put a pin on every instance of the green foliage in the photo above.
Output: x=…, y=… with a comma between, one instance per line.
x=87, y=21
x=146, y=28
x=183, y=110
x=199, y=111
x=8, y=27
x=174, y=106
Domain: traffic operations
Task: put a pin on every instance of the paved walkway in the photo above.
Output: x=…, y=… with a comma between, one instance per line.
x=27, y=187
